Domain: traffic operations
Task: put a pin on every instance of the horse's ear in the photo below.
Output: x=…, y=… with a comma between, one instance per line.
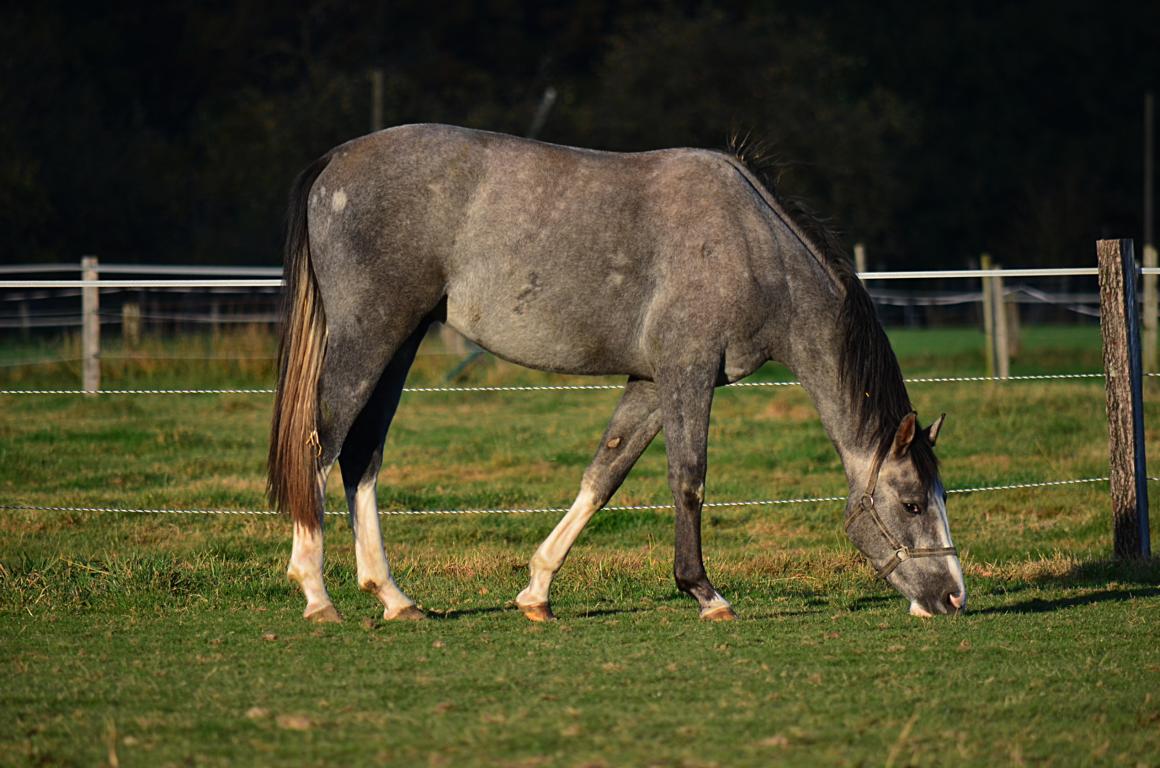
x=905, y=435
x=933, y=431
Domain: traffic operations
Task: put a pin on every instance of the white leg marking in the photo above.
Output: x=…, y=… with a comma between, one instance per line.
x=306, y=560
x=374, y=574
x=306, y=567
x=716, y=603
x=551, y=554
x=918, y=610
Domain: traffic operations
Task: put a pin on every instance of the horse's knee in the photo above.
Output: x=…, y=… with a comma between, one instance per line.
x=689, y=489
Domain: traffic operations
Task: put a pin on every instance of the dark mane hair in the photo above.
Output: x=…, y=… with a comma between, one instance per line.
x=869, y=369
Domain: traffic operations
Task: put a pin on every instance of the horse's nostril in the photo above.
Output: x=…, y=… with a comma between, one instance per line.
x=955, y=600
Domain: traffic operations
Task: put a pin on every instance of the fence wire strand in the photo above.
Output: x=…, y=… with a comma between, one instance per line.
x=545, y=387
x=536, y=510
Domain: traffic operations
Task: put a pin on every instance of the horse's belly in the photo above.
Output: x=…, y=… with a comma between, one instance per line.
x=563, y=341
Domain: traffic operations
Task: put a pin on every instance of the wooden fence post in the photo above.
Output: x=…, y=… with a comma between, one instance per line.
x=1150, y=336
x=860, y=257
x=1014, y=330
x=131, y=324
x=988, y=316
x=1120, y=327
x=90, y=328
x=999, y=307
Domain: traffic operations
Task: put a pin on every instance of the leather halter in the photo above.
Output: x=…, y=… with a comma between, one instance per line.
x=901, y=551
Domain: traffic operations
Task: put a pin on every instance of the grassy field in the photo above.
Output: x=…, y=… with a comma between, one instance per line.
x=176, y=640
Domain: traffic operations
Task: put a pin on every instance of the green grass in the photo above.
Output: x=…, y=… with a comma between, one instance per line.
x=166, y=640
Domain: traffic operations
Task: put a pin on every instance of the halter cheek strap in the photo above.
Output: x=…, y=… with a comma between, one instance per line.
x=901, y=552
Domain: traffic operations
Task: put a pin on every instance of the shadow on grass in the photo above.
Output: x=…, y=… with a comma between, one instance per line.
x=1112, y=580
x=1091, y=573
x=454, y=614
x=872, y=601
x=1040, y=605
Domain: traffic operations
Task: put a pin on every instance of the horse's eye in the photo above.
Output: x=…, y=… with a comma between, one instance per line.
x=913, y=509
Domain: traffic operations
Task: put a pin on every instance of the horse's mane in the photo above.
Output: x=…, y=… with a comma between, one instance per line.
x=868, y=367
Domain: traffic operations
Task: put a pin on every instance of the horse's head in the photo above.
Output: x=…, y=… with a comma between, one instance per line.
x=898, y=519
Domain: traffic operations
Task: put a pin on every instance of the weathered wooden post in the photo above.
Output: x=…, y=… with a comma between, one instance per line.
x=999, y=307
x=988, y=316
x=90, y=328
x=1014, y=330
x=131, y=324
x=860, y=257
x=1123, y=371
x=1150, y=329
x=1150, y=335
x=25, y=321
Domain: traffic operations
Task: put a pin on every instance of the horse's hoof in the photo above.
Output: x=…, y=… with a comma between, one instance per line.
x=538, y=612
x=721, y=613
x=323, y=614
x=406, y=613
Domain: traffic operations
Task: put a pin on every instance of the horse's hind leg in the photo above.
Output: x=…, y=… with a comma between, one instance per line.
x=306, y=563
x=352, y=370
x=360, y=460
x=633, y=426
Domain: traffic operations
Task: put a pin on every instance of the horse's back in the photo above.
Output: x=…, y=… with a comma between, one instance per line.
x=550, y=256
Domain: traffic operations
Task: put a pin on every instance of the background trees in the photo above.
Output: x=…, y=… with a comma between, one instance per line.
x=169, y=131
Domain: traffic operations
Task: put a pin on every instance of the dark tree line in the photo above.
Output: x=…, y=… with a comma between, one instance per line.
x=169, y=131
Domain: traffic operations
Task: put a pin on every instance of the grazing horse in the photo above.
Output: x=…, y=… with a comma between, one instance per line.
x=680, y=269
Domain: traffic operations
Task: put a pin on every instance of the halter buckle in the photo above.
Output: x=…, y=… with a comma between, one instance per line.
x=903, y=553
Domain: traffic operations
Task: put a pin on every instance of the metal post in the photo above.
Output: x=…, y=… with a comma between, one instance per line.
x=90, y=328
x=1120, y=327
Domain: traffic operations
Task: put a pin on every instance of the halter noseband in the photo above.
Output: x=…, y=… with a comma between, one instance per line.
x=901, y=551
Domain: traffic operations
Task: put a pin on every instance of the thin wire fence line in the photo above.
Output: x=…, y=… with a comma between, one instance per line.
x=545, y=387
x=223, y=283
x=536, y=510
x=938, y=274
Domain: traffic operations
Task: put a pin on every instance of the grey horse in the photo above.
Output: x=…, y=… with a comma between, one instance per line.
x=679, y=269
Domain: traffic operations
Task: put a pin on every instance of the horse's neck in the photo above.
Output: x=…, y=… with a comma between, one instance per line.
x=817, y=365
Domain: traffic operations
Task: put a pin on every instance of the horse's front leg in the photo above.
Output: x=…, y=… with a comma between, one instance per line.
x=634, y=424
x=687, y=398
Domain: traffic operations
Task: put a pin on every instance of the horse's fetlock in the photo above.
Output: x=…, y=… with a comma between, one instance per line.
x=540, y=564
x=687, y=582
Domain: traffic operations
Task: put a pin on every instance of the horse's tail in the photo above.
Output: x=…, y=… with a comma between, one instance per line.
x=295, y=450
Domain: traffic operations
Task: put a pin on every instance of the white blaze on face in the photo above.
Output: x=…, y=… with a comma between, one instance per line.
x=938, y=503
x=338, y=201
